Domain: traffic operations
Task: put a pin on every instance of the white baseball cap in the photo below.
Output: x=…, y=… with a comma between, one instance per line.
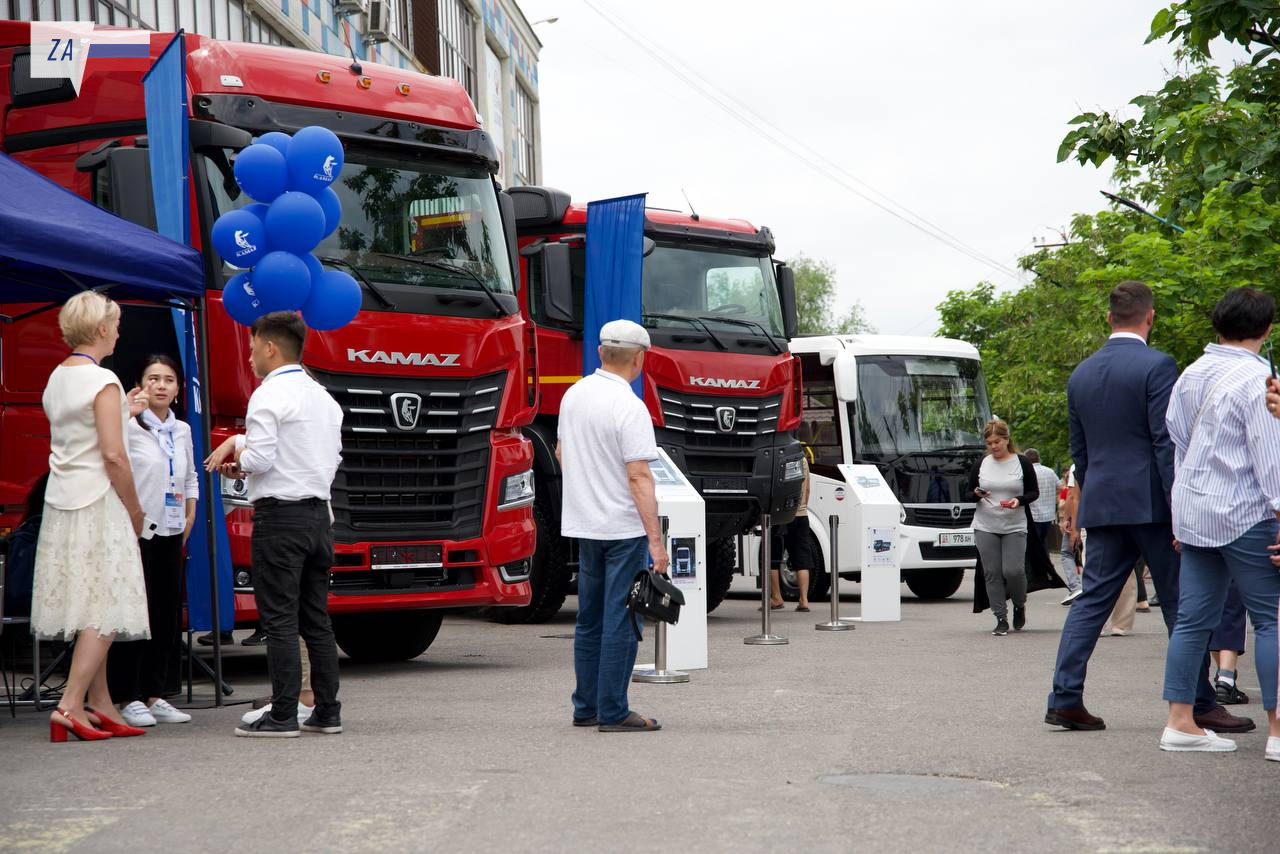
x=624, y=333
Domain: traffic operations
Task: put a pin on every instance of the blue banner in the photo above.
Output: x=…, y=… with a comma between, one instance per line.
x=615, y=271
x=165, y=95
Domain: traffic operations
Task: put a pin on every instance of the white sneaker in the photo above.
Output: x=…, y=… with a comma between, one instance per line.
x=249, y=717
x=137, y=714
x=1072, y=596
x=167, y=714
x=1210, y=742
x=1273, y=748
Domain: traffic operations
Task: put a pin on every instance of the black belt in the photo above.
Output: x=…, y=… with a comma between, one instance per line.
x=278, y=502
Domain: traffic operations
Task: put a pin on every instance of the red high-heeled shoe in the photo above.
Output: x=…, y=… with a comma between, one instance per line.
x=58, y=732
x=118, y=730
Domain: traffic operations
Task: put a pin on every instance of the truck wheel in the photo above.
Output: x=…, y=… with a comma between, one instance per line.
x=548, y=576
x=386, y=635
x=819, y=581
x=934, y=583
x=721, y=563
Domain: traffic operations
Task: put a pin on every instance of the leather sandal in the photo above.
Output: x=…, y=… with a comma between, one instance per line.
x=633, y=723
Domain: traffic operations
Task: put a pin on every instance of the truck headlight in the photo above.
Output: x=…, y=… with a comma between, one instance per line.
x=234, y=492
x=516, y=491
x=793, y=470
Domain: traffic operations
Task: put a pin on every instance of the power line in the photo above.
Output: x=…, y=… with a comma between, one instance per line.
x=771, y=133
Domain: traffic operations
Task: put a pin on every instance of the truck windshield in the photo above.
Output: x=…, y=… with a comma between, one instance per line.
x=723, y=289
x=397, y=213
x=919, y=404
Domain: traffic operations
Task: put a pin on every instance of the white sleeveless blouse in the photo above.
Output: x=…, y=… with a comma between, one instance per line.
x=77, y=474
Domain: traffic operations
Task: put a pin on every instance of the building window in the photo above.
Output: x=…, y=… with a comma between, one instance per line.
x=524, y=137
x=458, y=44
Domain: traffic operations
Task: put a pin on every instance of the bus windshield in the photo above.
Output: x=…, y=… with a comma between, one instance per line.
x=919, y=404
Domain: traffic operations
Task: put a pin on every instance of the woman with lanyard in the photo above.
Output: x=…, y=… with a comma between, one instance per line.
x=164, y=471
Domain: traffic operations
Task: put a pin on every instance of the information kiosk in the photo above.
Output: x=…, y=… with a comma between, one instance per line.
x=869, y=531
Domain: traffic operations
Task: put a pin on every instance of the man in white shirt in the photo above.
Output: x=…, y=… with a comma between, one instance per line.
x=1045, y=508
x=606, y=443
x=289, y=454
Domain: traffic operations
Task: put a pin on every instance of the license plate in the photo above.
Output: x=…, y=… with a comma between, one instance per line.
x=956, y=538
x=407, y=557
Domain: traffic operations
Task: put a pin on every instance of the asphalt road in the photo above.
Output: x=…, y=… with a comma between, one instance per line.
x=918, y=736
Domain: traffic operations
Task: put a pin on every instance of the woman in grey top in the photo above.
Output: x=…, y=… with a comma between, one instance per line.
x=1004, y=484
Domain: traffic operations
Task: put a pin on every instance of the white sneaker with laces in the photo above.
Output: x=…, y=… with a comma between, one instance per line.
x=137, y=714
x=1273, y=748
x=249, y=717
x=167, y=714
x=1210, y=742
x=1072, y=596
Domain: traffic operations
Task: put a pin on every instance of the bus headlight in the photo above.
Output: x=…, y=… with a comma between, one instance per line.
x=793, y=470
x=516, y=491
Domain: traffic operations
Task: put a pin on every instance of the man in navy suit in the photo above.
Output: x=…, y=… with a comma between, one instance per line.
x=1116, y=401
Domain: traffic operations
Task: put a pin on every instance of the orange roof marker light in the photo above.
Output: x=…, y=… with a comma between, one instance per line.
x=324, y=76
x=403, y=89
x=366, y=82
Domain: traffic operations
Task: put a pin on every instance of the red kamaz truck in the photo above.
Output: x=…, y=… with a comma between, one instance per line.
x=720, y=383
x=433, y=500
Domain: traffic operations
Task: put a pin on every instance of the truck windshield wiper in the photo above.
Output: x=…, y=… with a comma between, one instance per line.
x=449, y=268
x=692, y=321
x=777, y=348
x=369, y=286
x=955, y=449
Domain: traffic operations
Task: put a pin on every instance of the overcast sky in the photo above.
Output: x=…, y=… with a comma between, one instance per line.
x=954, y=110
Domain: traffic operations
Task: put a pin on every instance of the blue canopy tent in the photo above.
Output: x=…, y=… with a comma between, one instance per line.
x=54, y=244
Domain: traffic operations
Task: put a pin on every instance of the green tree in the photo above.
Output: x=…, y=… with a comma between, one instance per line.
x=815, y=301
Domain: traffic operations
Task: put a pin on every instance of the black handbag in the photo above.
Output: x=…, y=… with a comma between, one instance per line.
x=653, y=596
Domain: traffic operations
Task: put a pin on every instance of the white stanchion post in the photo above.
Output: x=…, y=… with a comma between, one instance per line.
x=835, y=624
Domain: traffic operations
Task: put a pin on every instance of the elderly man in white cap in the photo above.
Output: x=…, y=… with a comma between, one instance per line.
x=605, y=445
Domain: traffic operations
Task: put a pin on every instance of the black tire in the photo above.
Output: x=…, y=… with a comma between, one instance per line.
x=934, y=583
x=722, y=561
x=819, y=581
x=548, y=575
x=380, y=636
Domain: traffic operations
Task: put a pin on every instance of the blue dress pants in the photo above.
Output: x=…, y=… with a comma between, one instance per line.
x=604, y=642
x=1206, y=574
x=1111, y=553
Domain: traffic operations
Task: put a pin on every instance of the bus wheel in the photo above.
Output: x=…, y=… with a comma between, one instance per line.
x=386, y=635
x=934, y=583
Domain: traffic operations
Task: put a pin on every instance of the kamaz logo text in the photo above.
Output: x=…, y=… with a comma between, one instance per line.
x=382, y=357
x=721, y=382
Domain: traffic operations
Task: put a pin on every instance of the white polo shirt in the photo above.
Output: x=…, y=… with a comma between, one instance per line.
x=603, y=426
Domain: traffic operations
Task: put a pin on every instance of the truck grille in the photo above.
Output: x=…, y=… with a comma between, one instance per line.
x=939, y=516
x=415, y=454
x=717, y=420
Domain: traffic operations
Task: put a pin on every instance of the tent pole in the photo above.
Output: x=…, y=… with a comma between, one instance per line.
x=211, y=482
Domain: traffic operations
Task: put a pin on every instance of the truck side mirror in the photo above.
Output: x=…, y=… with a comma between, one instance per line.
x=507, y=209
x=129, y=186
x=557, y=283
x=845, y=368
x=649, y=246
x=787, y=295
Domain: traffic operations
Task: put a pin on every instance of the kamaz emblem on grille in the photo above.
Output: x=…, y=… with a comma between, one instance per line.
x=441, y=360
x=722, y=382
x=405, y=409
x=726, y=417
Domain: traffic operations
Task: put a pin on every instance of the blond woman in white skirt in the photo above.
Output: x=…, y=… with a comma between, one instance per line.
x=88, y=574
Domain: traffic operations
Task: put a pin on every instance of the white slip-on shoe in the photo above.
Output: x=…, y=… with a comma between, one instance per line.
x=1182, y=742
x=137, y=714
x=249, y=717
x=1072, y=596
x=1273, y=748
x=167, y=714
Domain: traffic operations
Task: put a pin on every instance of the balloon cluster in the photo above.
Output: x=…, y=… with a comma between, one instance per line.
x=289, y=177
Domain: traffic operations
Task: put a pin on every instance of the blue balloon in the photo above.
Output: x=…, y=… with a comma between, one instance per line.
x=277, y=140
x=295, y=223
x=240, y=238
x=334, y=302
x=282, y=282
x=259, y=210
x=313, y=266
x=315, y=159
x=332, y=206
x=240, y=300
x=261, y=172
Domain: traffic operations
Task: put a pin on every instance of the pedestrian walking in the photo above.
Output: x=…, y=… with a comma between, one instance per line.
x=289, y=453
x=1070, y=551
x=1044, y=510
x=88, y=584
x=796, y=540
x=605, y=446
x=1226, y=645
x=1226, y=507
x=1116, y=402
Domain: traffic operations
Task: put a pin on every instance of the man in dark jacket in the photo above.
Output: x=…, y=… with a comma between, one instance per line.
x=1116, y=402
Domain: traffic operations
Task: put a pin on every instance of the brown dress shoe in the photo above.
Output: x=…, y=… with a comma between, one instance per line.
x=1073, y=718
x=1220, y=720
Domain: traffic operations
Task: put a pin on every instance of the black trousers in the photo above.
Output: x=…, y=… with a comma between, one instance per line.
x=292, y=552
x=136, y=670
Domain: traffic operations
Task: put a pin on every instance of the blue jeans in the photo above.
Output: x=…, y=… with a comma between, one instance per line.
x=604, y=643
x=1206, y=574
